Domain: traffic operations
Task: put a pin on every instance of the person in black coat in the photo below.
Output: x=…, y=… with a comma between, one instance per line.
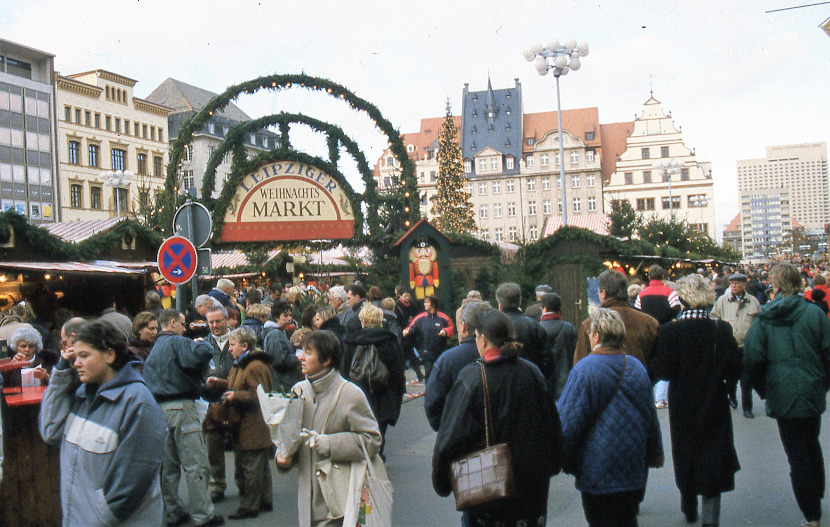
x=529, y=333
x=698, y=355
x=326, y=318
x=524, y=416
x=385, y=399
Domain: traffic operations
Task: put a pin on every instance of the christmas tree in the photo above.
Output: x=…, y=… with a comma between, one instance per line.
x=451, y=207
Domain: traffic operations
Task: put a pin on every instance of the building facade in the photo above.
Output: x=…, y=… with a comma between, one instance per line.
x=28, y=181
x=766, y=223
x=103, y=127
x=687, y=196
x=185, y=101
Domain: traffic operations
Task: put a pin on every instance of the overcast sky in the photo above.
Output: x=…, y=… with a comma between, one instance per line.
x=735, y=78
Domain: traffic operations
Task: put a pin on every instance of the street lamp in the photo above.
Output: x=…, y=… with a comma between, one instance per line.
x=117, y=179
x=561, y=58
x=668, y=168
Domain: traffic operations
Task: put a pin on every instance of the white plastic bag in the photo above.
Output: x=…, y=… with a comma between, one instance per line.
x=283, y=414
x=370, y=493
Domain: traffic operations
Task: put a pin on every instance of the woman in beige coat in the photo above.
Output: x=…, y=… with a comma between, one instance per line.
x=337, y=416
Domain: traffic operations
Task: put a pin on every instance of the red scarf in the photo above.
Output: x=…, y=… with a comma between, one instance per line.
x=491, y=354
x=552, y=316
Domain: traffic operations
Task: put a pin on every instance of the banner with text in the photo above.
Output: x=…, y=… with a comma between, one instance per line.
x=287, y=200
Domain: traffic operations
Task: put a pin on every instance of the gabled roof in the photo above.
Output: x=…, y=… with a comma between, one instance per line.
x=78, y=231
x=734, y=225
x=597, y=223
x=183, y=97
x=614, y=136
x=492, y=118
x=577, y=121
x=423, y=141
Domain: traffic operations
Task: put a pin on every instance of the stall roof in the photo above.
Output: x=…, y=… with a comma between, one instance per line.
x=70, y=267
x=78, y=231
x=597, y=223
x=236, y=258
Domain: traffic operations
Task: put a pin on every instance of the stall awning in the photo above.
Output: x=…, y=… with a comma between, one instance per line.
x=69, y=267
x=78, y=231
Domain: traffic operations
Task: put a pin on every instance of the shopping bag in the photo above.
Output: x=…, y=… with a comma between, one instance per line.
x=283, y=414
x=370, y=496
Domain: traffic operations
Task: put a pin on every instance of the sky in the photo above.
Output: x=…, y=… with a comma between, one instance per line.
x=735, y=78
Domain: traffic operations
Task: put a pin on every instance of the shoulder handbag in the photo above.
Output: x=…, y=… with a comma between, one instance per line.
x=485, y=475
x=367, y=367
x=572, y=461
x=334, y=476
x=222, y=416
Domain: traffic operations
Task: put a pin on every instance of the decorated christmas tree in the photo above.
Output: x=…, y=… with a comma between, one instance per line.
x=451, y=207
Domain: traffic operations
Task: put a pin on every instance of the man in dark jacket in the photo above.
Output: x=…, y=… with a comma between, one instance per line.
x=657, y=299
x=640, y=329
x=561, y=338
x=431, y=328
x=217, y=320
x=528, y=331
x=356, y=298
x=276, y=345
x=452, y=361
x=175, y=373
x=406, y=310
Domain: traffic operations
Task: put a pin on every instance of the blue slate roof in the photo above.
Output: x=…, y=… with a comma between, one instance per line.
x=492, y=118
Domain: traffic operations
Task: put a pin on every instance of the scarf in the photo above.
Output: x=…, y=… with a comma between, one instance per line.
x=690, y=314
x=552, y=316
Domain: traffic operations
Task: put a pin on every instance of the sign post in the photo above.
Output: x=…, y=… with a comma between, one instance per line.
x=193, y=222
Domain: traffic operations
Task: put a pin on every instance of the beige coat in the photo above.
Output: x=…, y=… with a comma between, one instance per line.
x=350, y=419
x=739, y=313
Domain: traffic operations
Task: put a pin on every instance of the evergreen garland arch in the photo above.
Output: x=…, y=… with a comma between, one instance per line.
x=398, y=201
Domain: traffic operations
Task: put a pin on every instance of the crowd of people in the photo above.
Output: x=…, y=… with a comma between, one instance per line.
x=135, y=403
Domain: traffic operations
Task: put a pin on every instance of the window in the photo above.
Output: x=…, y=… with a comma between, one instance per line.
x=574, y=158
x=141, y=164
x=469, y=188
x=592, y=204
x=646, y=176
x=119, y=159
x=423, y=177
x=590, y=180
x=188, y=153
x=432, y=175
x=188, y=180
x=468, y=167
x=641, y=204
x=482, y=212
x=108, y=122
x=499, y=234
x=485, y=234
x=75, y=193
x=577, y=205
x=531, y=208
x=629, y=178
x=513, y=234
x=546, y=207
x=511, y=209
x=161, y=134
x=575, y=181
x=482, y=189
x=531, y=185
x=545, y=183
x=98, y=122
x=684, y=174
x=533, y=232
x=482, y=165
x=144, y=131
x=589, y=136
x=497, y=210
x=157, y=166
x=664, y=151
x=153, y=133
x=92, y=152
x=95, y=198
x=557, y=158
x=118, y=125
x=88, y=118
x=496, y=187
x=74, y=152
x=589, y=156
x=77, y=116
x=494, y=164
x=67, y=113
x=646, y=153
x=529, y=161
x=509, y=162
x=510, y=186
x=672, y=204
x=543, y=160
x=530, y=141
x=136, y=128
x=121, y=196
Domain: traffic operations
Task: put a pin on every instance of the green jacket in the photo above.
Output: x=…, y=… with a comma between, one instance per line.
x=788, y=345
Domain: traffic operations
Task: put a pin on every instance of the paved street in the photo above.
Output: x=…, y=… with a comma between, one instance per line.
x=762, y=497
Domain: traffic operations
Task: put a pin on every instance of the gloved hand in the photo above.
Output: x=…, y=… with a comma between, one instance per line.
x=316, y=441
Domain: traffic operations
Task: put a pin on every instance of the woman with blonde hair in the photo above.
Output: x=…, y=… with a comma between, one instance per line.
x=699, y=356
x=385, y=395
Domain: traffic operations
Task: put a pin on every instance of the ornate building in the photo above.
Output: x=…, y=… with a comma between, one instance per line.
x=103, y=127
x=687, y=196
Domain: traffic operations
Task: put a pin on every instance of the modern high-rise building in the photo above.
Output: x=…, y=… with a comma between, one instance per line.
x=28, y=182
x=801, y=171
x=103, y=127
x=186, y=101
x=766, y=223
x=687, y=196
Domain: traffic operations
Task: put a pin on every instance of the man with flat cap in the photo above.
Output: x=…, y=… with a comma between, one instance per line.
x=739, y=308
x=535, y=310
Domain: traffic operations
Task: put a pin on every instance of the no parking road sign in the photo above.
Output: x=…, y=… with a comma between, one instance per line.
x=177, y=260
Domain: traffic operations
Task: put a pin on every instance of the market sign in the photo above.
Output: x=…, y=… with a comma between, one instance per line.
x=287, y=200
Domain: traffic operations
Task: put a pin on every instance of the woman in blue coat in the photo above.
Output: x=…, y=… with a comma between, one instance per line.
x=110, y=432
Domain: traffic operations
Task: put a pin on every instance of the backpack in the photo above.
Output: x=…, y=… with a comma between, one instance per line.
x=367, y=368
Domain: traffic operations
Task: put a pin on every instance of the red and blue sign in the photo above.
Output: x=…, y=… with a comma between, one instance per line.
x=177, y=260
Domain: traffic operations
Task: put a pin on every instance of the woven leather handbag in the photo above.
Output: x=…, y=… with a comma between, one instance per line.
x=485, y=475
